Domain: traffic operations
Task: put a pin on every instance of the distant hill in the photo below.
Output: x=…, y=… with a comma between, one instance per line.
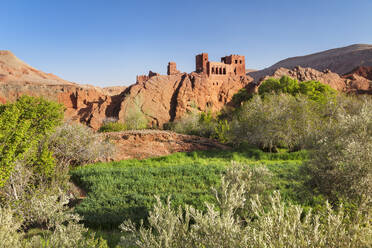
x=14, y=70
x=339, y=60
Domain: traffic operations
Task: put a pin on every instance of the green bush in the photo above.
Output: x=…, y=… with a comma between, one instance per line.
x=195, y=123
x=9, y=229
x=341, y=152
x=285, y=84
x=202, y=124
x=241, y=96
x=76, y=144
x=23, y=125
x=314, y=90
x=277, y=120
x=61, y=228
x=113, y=127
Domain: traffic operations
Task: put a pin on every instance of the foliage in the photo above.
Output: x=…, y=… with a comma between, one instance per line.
x=314, y=90
x=317, y=91
x=195, y=123
x=279, y=225
x=125, y=189
x=113, y=127
x=341, y=154
x=274, y=121
x=283, y=85
x=221, y=131
x=76, y=144
x=62, y=228
x=241, y=96
x=22, y=125
x=9, y=226
x=202, y=124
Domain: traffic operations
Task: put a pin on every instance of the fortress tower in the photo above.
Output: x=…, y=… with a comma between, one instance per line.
x=172, y=68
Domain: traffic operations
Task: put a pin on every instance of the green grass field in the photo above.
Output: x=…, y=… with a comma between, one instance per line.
x=125, y=190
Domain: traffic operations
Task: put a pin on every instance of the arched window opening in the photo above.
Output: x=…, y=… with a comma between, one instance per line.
x=220, y=70
x=224, y=71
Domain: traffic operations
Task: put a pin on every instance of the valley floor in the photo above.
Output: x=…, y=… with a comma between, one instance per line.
x=122, y=190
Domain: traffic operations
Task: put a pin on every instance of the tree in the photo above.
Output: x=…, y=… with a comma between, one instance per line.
x=22, y=126
x=314, y=90
x=275, y=121
x=341, y=152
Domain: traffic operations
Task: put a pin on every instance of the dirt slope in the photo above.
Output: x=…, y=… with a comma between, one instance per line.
x=153, y=143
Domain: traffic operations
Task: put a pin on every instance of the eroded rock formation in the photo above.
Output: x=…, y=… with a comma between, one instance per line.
x=84, y=103
x=352, y=82
x=162, y=98
x=166, y=98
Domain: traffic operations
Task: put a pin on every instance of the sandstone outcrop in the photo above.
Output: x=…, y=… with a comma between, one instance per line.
x=349, y=83
x=363, y=71
x=167, y=98
x=153, y=143
x=162, y=98
x=83, y=103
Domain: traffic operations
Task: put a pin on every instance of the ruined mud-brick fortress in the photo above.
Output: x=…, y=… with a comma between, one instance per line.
x=233, y=65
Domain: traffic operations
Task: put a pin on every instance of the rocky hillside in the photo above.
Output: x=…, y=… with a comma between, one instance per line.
x=339, y=60
x=355, y=81
x=83, y=103
x=161, y=99
x=166, y=98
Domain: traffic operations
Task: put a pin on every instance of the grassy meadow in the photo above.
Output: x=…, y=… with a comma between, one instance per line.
x=117, y=191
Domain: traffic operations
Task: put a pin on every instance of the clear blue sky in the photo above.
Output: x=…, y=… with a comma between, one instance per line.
x=108, y=42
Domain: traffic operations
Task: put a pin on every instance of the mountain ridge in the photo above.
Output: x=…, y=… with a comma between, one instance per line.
x=339, y=60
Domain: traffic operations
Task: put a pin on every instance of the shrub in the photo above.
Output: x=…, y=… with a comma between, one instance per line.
x=23, y=125
x=241, y=96
x=9, y=226
x=76, y=144
x=275, y=121
x=278, y=225
x=341, y=154
x=195, y=123
x=314, y=90
x=50, y=210
x=317, y=91
x=202, y=124
x=113, y=127
x=285, y=85
x=62, y=229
